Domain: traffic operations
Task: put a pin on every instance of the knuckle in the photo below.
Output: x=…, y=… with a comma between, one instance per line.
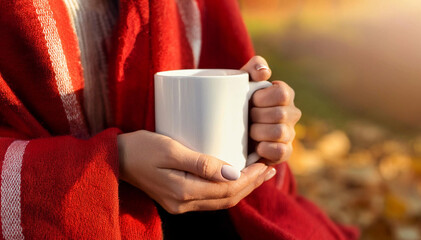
x=280, y=114
x=299, y=114
x=169, y=150
x=280, y=151
x=166, y=139
x=172, y=207
x=230, y=203
x=175, y=210
x=278, y=131
x=171, y=210
x=182, y=195
x=286, y=154
x=291, y=91
x=283, y=95
x=204, y=166
x=285, y=98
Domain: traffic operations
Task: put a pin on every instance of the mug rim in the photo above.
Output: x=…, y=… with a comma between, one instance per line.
x=189, y=72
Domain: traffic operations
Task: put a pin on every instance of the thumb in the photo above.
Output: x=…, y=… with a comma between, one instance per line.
x=203, y=165
x=258, y=69
x=211, y=168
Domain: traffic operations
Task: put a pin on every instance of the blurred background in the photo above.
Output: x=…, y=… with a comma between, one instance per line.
x=355, y=67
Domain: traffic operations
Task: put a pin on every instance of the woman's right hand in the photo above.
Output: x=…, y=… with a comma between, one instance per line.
x=182, y=180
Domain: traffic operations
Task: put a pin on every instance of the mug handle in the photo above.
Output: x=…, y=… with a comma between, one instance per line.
x=253, y=87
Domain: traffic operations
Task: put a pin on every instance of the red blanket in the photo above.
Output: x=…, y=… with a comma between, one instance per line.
x=57, y=181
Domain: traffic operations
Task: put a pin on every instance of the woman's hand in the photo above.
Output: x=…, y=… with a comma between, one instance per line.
x=273, y=114
x=182, y=180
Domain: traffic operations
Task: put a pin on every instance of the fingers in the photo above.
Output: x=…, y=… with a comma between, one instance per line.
x=280, y=94
x=279, y=114
x=272, y=132
x=274, y=152
x=202, y=165
x=274, y=141
x=274, y=117
x=258, y=69
x=191, y=187
x=210, y=204
x=199, y=194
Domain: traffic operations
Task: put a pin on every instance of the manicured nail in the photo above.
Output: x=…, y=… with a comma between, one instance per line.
x=230, y=173
x=270, y=174
x=261, y=67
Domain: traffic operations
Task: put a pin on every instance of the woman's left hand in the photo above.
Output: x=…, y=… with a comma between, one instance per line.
x=273, y=114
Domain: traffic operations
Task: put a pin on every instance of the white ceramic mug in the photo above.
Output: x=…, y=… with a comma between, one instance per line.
x=207, y=111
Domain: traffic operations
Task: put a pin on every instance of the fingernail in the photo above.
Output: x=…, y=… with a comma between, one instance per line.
x=270, y=174
x=261, y=66
x=230, y=173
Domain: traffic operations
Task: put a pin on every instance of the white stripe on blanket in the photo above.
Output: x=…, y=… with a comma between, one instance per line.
x=58, y=60
x=10, y=191
x=190, y=15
